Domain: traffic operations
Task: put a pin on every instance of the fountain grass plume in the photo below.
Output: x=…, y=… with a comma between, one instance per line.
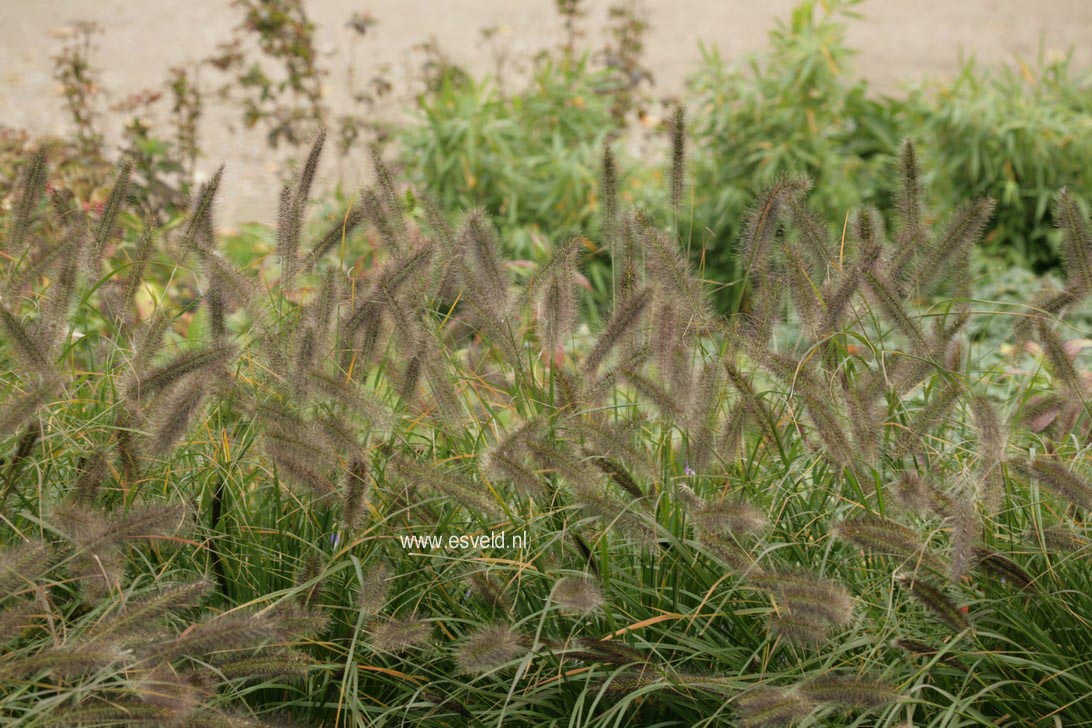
x=936, y=600
x=139, y=617
x=1076, y=248
x=390, y=201
x=27, y=348
x=1056, y=476
x=622, y=322
x=341, y=228
x=772, y=707
x=199, y=222
x=849, y=692
x=30, y=187
x=399, y=635
x=765, y=218
x=884, y=294
x=803, y=290
x=170, y=372
x=491, y=590
x=812, y=237
x=911, y=236
x=22, y=565
x=961, y=233
x=1060, y=363
x=678, y=158
x=552, y=291
x=115, y=201
x=23, y=407
x=886, y=537
x=1004, y=569
x=941, y=401
x=374, y=589
x=355, y=494
x=608, y=192
x=577, y=595
x=489, y=648
x=176, y=413
x=221, y=637
x=480, y=254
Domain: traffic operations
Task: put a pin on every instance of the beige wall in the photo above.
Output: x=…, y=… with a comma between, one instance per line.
x=899, y=41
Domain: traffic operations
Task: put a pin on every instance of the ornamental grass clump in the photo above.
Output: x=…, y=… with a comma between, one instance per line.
x=318, y=486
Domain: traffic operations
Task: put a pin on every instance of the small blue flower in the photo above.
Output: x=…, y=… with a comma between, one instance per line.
x=689, y=470
x=335, y=538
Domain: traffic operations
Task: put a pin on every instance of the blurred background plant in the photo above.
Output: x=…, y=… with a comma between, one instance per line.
x=530, y=157
x=80, y=86
x=281, y=88
x=793, y=109
x=1017, y=133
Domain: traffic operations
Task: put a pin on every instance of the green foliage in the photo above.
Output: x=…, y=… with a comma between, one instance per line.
x=530, y=158
x=793, y=110
x=1017, y=134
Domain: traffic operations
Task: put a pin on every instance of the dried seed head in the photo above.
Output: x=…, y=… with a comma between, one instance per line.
x=215, y=637
x=822, y=603
x=170, y=372
x=622, y=321
x=1060, y=363
x=1004, y=569
x=354, y=497
x=29, y=350
x=608, y=186
x=176, y=413
x=481, y=255
x=910, y=234
x=339, y=230
x=114, y=202
x=285, y=663
x=21, y=566
x=991, y=432
x=799, y=629
x=200, y=223
x=22, y=408
x=1058, y=538
x=764, y=218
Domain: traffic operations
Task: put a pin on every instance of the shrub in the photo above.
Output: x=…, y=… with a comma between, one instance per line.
x=1017, y=134
x=795, y=110
x=530, y=159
